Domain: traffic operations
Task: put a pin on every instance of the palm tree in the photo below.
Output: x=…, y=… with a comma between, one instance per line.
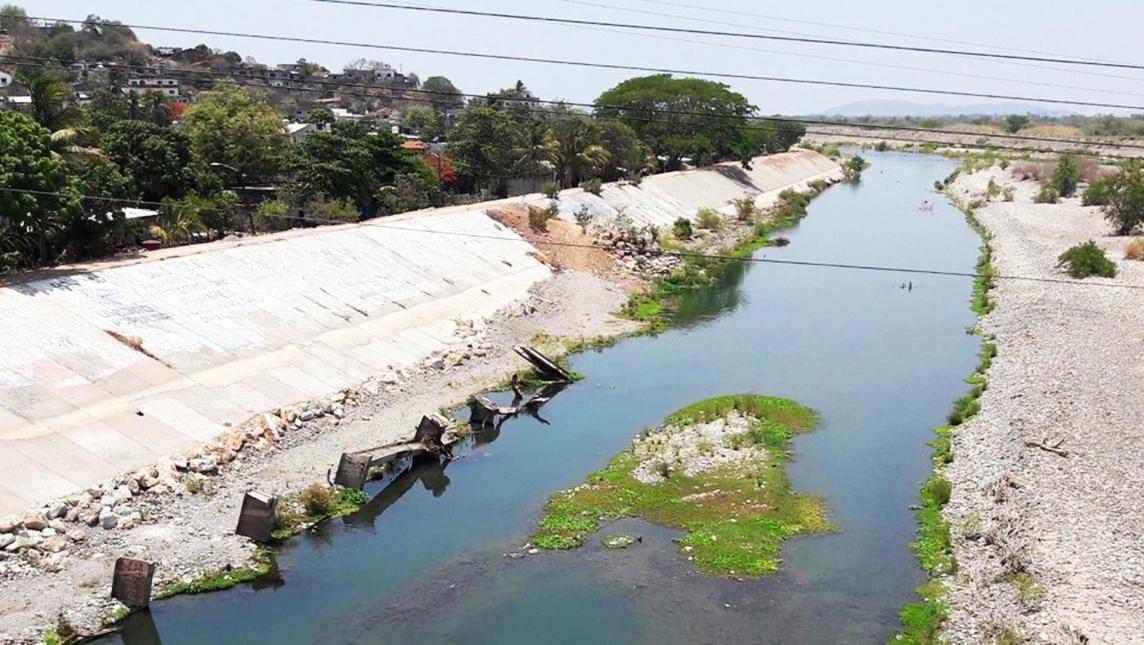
x=579, y=153
x=537, y=146
x=52, y=108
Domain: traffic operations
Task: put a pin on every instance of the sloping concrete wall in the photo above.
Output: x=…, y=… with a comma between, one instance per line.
x=661, y=199
x=232, y=330
x=229, y=333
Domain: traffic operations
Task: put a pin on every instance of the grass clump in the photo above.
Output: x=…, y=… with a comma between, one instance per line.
x=1047, y=195
x=1134, y=250
x=594, y=186
x=1028, y=591
x=222, y=579
x=745, y=208
x=538, y=217
x=584, y=218
x=1088, y=259
x=735, y=517
x=709, y=219
x=318, y=499
x=681, y=229
x=550, y=190
x=313, y=504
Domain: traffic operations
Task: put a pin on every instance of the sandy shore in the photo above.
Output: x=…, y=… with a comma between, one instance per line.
x=1051, y=548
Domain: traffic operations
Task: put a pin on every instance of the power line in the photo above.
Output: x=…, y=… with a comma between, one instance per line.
x=661, y=252
x=733, y=34
x=763, y=122
x=700, y=7
x=1004, y=62
x=612, y=66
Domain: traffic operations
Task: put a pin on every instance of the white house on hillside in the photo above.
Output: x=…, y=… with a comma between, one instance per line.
x=5, y=79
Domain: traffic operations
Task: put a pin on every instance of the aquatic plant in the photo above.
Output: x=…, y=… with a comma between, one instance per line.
x=736, y=516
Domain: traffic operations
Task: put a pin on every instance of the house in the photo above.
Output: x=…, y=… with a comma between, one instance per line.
x=167, y=52
x=5, y=79
x=167, y=86
x=342, y=114
x=299, y=131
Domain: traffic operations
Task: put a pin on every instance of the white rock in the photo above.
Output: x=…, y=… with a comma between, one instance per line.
x=108, y=519
x=9, y=523
x=6, y=539
x=204, y=465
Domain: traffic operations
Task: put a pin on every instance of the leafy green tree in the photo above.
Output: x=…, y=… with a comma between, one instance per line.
x=321, y=116
x=1125, y=198
x=52, y=103
x=239, y=128
x=518, y=100
x=444, y=95
x=12, y=17
x=39, y=219
x=627, y=155
x=579, y=154
x=1014, y=123
x=682, y=118
x=351, y=163
x=482, y=145
x=156, y=158
x=773, y=136
x=1065, y=176
x=421, y=121
x=536, y=148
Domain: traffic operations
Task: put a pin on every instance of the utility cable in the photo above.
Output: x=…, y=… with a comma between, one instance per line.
x=659, y=252
x=612, y=66
x=733, y=34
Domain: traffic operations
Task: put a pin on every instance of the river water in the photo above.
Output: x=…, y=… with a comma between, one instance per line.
x=425, y=561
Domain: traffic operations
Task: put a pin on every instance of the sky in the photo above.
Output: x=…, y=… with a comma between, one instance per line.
x=1098, y=29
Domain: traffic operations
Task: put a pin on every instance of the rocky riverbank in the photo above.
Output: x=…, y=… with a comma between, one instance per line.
x=1050, y=543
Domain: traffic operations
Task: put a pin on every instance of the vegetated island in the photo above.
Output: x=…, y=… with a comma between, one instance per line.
x=715, y=469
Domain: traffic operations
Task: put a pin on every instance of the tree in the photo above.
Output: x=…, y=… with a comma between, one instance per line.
x=12, y=17
x=682, y=118
x=518, y=100
x=1014, y=123
x=235, y=126
x=321, y=116
x=36, y=220
x=421, y=121
x=1065, y=176
x=351, y=163
x=444, y=95
x=535, y=148
x=627, y=155
x=52, y=103
x=482, y=143
x=156, y=158
x=773, y=136
x=579, y=154
x=1125, y=207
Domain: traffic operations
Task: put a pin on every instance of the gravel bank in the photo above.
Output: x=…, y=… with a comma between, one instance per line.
x=1051, y=548
x=187, y=534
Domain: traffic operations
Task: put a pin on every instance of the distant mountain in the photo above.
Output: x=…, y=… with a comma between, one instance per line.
x=888, y=107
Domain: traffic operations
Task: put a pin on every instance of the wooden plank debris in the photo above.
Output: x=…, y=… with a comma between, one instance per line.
x=548, y=370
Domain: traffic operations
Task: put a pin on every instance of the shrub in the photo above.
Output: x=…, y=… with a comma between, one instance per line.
x=745, y=207
x=882, y=146
x=1009, y=193
x=594, y=186
x=709, y=219
x=538, y=217
x=1065, y=177
x=1084, y=260
x=992, y=190
x=550, y=190
x=1125, y=207
x=1135, y=250
x=681, y=229
x=854, y=167
x=1048, y=195
x=584, y=218
x=1098, y=193
x=318, y=500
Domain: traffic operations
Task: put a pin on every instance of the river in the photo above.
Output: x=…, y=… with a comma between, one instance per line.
x=425, y=561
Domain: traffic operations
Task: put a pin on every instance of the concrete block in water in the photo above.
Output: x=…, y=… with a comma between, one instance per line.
x=353, y=470
x=131, y=584
x=256, y=519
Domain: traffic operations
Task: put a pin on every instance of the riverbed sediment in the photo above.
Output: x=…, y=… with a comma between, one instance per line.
x=1050, y=544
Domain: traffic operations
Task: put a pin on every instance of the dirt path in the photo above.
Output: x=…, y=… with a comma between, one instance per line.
x=1051, y=548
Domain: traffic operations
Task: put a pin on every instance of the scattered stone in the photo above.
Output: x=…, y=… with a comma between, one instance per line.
x=54, y=544
x=9, y=523
x=89, y=517
x=621, y=541
x=108, y=519
x=57, y=510
x=6, y=539
x=34, y=522
x=77, y=535
x=203, y=465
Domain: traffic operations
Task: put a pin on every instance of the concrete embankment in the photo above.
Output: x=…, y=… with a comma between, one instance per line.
x=105, y=369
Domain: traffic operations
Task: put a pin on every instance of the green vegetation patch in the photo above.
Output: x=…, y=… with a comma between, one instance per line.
x=700, y=270
x=736, y=517
x=221, y=579
x=317, y=503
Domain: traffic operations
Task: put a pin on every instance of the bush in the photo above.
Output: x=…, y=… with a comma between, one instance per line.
x=538, y=217
x=1125, y=207
x=1065, y=177
x=550, y=190
x=1135, y=250
x=681, y=229
x=1048, y=195
x=1098, y=193
x=882, y=146
x=709, y=219
x=1009, y=193
x=594, y=186
x=1084, y=260
x=318, y=500
x=584, y=218
x=992, y=190
x=745, y=207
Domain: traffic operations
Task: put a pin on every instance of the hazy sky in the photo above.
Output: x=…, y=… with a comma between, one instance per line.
x=1096, y=29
